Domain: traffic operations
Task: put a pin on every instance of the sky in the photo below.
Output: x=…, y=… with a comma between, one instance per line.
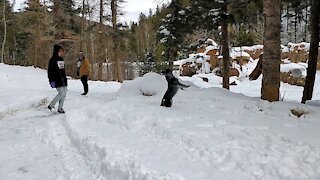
x=132, y=8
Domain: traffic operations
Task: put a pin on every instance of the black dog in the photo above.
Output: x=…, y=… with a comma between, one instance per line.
x=173, y=86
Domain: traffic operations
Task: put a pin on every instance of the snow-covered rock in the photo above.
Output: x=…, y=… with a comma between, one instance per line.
x=299, y=46
x=294, y=67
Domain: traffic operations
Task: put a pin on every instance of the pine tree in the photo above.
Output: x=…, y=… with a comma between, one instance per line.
x=175, y=26
x=35, y=26
x=64, y=15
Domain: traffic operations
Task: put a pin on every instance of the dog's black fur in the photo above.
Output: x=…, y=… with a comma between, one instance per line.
x=173, y=86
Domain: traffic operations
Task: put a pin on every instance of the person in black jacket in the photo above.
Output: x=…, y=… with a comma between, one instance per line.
x=173, y=86
x=57, y=77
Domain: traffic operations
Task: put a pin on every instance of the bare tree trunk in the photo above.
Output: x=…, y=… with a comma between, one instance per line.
x=15, y=50
x=100, y=51
x=306, y=23
x=5, y=32
x=146, y=35
x=116, y=42
x=295, y=25
x=271, y=51
x=226, y=56
x=313, y=54
x=92, y=52
x=36, y=62
x=101, y=14
x=82, y=25
x=225, y=47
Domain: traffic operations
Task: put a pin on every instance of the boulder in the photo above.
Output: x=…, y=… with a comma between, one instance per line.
x=188, y=70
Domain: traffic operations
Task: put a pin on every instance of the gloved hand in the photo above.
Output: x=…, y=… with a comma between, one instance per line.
x=52, y=84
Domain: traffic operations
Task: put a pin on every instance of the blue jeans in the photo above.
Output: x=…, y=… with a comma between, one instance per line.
x=62, y=92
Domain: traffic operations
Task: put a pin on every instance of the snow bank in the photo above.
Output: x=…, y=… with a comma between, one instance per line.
x=208, y=132
x=150, y=84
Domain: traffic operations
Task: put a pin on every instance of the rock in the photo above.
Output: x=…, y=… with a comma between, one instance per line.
x=298, y=113
x=188, y=70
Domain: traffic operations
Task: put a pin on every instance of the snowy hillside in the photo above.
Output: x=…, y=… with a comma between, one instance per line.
x=116, y=133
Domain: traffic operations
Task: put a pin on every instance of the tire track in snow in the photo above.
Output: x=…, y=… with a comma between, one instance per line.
x=13, y=111
x=107, y=160
x=75, y=167
x=40, y=138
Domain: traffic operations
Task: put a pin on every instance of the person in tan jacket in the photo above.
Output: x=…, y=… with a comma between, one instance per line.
x=83, y=71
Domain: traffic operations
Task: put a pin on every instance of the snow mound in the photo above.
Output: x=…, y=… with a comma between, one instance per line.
x=150, y=84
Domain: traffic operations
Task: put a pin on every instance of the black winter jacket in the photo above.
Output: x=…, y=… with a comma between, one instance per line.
x=56, y=69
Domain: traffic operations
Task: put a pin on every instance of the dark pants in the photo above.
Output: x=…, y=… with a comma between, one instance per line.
x=84, y=80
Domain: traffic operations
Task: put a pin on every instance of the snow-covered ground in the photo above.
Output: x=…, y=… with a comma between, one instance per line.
x=116, y=133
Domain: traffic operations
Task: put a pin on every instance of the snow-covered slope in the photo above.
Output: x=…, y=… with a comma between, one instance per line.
x=119, y=135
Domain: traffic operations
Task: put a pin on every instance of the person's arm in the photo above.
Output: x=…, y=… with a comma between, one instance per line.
x=51, y=71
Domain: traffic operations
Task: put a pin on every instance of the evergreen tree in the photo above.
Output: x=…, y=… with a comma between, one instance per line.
x=175, y=26
x=64, y=14
x=36, y=27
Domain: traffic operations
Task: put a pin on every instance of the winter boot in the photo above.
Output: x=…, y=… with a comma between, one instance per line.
x=50, y=108
x=60, y=110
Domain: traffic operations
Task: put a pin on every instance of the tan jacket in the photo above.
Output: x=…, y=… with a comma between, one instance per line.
x=84, y=68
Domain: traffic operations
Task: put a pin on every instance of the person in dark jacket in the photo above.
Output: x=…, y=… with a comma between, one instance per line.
x=57, y=77
x=173, y=86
